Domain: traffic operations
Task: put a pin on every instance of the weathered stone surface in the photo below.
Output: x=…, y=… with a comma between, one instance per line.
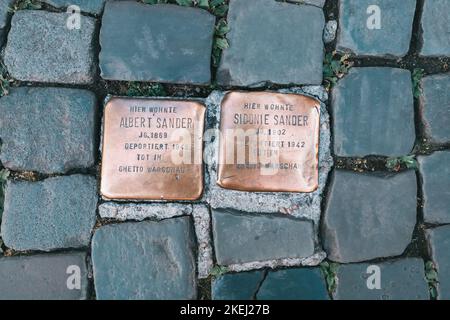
x=435, y=107
x=439, y=244
x=166, y=43
x=400, y=280
x=145, y=260
x=237, y=286
x=311, y=261
x=277, y=54
x=301, y=205
x=4, y=17
x=435, y=172
x=368, y=104
x=240, y=238
x=294, y=284
x=435, y=27
x=364, y=217
x=43, y=277
x=393, y=37
x=49, y=130
x=90, y=6
x=139, y=212
x=42, y=48
x=161, y=211
x=51, y=214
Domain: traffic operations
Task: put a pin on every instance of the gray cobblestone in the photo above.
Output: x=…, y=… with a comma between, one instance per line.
x=41, y=48
x=435, y=26
x=168, y=43
x=294, y=284
x=364, y=218
x=393, y=37
x=435, y=172
x=4, y=17
x=90, y=6
x=145, y=260
x=439, y=242
x=44, y=277
x=51, y=214
x=368, y=104
x=237, y=286
x=272, y=57
x=400, y=280
x=435, y=107
x=242, y=238
x=48, y=130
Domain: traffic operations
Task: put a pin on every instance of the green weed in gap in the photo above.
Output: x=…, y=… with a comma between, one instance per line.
x=417, y=76
x=25, y=5
x=217, y=271
x=146, y=90
x=395, y=164
x=432, y=278
x=335, y=68
x=220, y=41
x=329, y=271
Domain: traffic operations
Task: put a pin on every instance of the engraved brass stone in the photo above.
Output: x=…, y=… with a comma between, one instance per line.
x=269, y=142
x=152, y=149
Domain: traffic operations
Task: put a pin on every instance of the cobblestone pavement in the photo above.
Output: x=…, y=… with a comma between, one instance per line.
x=377, y=227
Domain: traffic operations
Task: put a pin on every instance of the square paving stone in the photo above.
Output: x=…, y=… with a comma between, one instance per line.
x=399, y=280
x=369, y=216
x=49, y=130
x=237, y=286
x=294, y=284
x=435, y=26
x=435, y=172
x=44, y=277
x=391, y=39
x=161, y=211
x=163, y=43
x=51, y=214
x=241, y=238
x=265, y=48
x=89, y=6
x=42, y=48
x=435, y=107
x=439, y=244
x=145, y=260
x=5, y=6
x=373, y=111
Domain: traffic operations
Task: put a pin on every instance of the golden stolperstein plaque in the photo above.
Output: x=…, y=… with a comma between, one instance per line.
x=269, y=142
x=152, y=149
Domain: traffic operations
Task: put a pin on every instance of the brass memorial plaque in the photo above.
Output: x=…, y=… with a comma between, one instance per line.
x=152, y=149
x=269, y=142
